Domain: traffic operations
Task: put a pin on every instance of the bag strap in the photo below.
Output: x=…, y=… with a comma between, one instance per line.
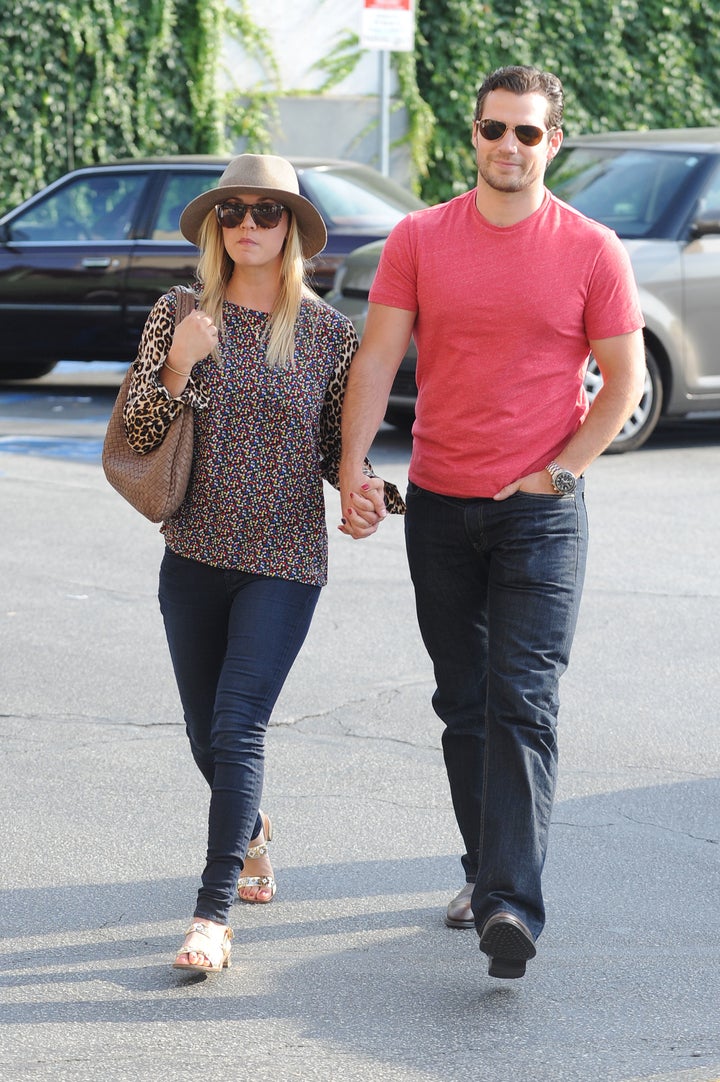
x=185, y=301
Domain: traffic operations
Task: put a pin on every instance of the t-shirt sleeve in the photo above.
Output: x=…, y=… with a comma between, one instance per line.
x=613, y=305
x=395, y=283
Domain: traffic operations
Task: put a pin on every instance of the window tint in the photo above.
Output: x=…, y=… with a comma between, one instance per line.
x=177, y=193
x=710, y=203
x=627, y=190
x=346, y=201
x=101, y=207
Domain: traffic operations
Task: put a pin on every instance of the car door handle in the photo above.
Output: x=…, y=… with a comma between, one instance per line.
x=100, y=263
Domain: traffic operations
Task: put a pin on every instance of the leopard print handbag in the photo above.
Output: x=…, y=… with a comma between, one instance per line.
x=155, y=482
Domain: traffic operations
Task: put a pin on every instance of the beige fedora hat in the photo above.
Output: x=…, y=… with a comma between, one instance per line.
x=259, y=174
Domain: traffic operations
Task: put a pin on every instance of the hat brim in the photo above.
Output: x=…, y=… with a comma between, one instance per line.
x=313, y=234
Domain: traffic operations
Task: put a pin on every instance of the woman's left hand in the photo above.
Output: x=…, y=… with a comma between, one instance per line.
x=363, y=511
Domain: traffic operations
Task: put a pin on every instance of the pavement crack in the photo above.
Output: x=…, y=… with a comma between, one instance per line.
x=670, y=595
x=669, y=829
x=367, y=702
x=92, y=719
x=382, y=692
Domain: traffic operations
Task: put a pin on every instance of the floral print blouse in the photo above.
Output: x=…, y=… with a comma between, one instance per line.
x=264, y=439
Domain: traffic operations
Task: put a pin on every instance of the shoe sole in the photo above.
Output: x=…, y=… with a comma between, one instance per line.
x=455, y=922
x=508, y=948
x=463, y=898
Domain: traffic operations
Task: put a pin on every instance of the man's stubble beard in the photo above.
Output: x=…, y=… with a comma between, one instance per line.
x=517, y=183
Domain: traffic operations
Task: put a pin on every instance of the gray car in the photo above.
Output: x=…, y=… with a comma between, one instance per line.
x=660, y=192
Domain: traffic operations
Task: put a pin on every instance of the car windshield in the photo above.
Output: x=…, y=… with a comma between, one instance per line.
x=350, y=200
x=628, y=190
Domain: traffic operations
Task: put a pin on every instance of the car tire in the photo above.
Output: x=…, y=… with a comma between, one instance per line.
x=641, y=424
x=25, y=369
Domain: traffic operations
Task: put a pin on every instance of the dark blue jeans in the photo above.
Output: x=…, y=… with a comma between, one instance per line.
x=233, y=638
x=497, y=589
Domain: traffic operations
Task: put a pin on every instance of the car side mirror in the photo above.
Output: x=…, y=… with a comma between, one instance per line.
x=705, y=227
x=4, y=233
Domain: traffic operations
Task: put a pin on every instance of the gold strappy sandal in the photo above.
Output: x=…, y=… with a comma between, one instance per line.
x=265, y=882
x=216, y=953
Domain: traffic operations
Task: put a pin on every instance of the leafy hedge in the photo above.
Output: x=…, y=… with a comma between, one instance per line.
x=624, y=64
x=81, y=82
x=86, y=80
x=89, y=80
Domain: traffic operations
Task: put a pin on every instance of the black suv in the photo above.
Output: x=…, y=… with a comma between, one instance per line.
x=83, y=261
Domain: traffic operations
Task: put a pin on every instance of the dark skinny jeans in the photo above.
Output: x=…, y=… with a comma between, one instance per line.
x=233, y=638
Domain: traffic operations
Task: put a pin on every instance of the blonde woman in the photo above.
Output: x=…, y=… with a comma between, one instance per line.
x=263, y=363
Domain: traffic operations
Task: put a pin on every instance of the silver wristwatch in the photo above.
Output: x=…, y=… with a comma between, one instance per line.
x=563, y=480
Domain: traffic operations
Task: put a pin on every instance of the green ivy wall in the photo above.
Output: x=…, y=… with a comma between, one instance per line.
x=624, y=64
x=83, y=82
x=87, y=81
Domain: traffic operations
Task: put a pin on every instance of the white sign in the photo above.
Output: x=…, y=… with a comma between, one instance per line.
x=388, y=25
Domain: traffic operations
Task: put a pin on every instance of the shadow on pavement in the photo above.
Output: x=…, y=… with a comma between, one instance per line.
x=356, y=956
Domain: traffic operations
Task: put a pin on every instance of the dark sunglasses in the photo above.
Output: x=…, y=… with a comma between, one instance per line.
x=527, y=134
x=265, y=215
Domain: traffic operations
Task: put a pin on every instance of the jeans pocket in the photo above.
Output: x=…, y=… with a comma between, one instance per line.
x=552, y=496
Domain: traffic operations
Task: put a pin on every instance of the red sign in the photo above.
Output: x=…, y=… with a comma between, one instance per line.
x=388, y=24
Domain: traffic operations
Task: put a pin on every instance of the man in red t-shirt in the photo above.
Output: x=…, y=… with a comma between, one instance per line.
x=506, y=290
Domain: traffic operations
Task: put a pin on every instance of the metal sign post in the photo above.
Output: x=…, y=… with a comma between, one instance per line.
x=388, y=26
x=384, y=112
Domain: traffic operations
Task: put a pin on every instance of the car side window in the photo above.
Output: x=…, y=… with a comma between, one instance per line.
x=343, y=202
x=178, y=192
x=100, y=207
x=709, y=206
x=627, y=189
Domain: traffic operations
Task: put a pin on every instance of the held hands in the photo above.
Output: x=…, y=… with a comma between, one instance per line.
x=362, y=500
x=194, y=338
x=363, y=506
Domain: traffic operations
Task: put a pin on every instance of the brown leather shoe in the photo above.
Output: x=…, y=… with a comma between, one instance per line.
x=508, y=942
x=459, y=914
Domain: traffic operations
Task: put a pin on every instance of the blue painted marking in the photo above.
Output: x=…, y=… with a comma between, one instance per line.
x=65, y=405
x=78, y=449
x=8, y=397
x=93, y=366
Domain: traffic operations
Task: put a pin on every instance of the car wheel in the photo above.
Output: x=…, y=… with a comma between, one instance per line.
x=25, y=370
x=644, y=418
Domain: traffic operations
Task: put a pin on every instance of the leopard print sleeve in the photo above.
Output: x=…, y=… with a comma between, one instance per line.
x=330, y=418
x=150, y=409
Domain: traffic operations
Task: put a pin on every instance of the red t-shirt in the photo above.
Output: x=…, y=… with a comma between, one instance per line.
x=504, y=316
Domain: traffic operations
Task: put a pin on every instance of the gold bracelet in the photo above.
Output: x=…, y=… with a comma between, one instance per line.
x=176, y=370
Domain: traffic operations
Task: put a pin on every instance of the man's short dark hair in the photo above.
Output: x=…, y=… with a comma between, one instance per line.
x=526, y=80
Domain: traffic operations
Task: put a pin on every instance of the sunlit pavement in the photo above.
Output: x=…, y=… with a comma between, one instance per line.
x=350, y=974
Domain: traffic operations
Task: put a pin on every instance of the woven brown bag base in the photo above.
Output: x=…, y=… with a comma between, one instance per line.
x=154, y=483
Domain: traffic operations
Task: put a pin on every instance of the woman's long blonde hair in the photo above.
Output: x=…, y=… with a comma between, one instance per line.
x=215, y=269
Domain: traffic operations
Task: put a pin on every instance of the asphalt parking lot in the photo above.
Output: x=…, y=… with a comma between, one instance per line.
x=350, y=973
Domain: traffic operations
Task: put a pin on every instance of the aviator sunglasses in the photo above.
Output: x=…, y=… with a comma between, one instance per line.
x=265, y=215
x=527, y=134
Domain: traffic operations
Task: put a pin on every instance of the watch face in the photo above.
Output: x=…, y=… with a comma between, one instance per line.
x=564, y=481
